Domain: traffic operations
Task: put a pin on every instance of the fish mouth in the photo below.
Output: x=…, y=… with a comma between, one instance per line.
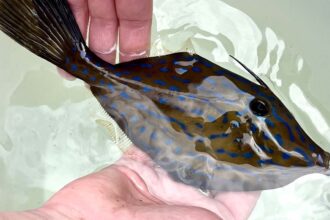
x=325, y=156
x=273, y=149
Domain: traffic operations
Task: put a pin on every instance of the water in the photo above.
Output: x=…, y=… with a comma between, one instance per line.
x=40, y=130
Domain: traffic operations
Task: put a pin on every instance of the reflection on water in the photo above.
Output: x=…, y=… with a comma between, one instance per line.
x=211, y=28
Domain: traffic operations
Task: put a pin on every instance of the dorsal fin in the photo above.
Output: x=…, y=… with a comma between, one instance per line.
x=251, y=72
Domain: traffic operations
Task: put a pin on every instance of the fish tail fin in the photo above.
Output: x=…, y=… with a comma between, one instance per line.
x=48, y=29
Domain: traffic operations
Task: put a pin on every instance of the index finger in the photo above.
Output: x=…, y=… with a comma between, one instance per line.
x=135, y=18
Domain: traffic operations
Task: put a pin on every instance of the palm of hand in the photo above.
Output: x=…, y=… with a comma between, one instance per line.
x=134, y=189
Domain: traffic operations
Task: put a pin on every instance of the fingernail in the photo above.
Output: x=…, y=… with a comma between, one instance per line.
x=128, y=56
x=105, y=51
x=134, y=54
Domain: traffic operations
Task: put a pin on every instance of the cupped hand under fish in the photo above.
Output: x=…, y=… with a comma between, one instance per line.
x=134, y=188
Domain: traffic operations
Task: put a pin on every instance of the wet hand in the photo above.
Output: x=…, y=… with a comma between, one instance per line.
x=128, y=19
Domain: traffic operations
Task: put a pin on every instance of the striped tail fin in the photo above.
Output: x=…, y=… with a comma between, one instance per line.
x=48, y=29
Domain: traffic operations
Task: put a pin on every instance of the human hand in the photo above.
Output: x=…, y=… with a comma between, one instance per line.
x=132, y=189
x=131, y=19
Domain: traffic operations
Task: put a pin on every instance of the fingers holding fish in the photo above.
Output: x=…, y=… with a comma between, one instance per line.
x=103, y=30
x=135, y=17
x=131, y=19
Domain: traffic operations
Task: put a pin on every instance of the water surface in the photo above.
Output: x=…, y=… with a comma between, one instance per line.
x=43, y=117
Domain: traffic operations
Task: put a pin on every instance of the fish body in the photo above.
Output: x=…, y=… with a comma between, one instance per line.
x=206, y=126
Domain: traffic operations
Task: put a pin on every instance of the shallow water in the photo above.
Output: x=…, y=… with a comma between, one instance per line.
x=40, y=130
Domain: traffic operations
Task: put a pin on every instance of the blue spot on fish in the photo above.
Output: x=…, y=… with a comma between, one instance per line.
x=102, y=83
x=92, y=78
x=85, y=71
x=174, y=88
x=304, y=154
x=207, y=63
x=219, y=72
x=103, y=98
x=137, y=78
x=153, y=135
x=181, y=98
x=119, y=74
x=220, y=151
x=266, y=149
x=164, y=69
x=140, y=106
x=312, y=147
x=124, y=95
x=162, y=100
x=197, y=111
x=162, y=61
x=111, y=87
x=114, y=106
x=286, y=156
x=269, y=161
x=134, y=119
x=168, y=141
x=146, y=65
x=178, y=150
x=253, y=128
x=233, y=154
x=199, y=125
x=215, y=136
x=74, y=67
x=248, y=155
x=196, y=69
x=225, y=119
x=300, y=133
x=279, y=139
x=179, y=79
x=160, y=82
x=146, y=89
x=111, y=67
x=181, y=124
x=142, y=129
x=269, y=123
x=278, y=118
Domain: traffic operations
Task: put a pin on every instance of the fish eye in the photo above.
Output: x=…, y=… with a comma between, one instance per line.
x=259, y=107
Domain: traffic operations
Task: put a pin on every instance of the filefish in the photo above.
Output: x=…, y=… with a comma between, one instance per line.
x=206, y=126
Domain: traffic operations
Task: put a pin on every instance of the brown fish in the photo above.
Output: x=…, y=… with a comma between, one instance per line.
x=205, y=125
